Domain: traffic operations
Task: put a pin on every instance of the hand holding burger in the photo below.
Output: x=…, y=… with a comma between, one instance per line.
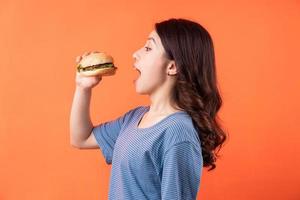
x=88, y=72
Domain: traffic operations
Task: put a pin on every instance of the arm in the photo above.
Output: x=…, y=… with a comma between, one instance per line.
x=80, y=122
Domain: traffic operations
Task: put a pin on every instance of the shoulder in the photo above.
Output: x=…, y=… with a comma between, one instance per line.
x=137, y=110
x=181, y=130
x=134, y=111
x=181, y=142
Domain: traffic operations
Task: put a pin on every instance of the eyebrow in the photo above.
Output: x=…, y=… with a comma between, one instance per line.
x=151, y=38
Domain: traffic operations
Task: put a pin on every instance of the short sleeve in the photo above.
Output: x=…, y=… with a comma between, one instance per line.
x=107, y=133
x=181, y=173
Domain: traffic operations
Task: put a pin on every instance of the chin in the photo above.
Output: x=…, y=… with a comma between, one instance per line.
x=141, y=91
x=145, y=90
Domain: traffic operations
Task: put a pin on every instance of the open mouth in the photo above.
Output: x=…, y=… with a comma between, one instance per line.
x=138, y=76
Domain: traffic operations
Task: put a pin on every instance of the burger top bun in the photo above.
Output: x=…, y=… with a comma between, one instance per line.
x=95, y=59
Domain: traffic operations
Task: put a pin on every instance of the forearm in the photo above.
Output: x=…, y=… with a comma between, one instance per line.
x=80, y=121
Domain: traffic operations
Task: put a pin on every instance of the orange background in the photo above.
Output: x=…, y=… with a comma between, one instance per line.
x=257, y=54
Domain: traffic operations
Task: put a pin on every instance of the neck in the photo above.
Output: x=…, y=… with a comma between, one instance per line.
x=162, y=102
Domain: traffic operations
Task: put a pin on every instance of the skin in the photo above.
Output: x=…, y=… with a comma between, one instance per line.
x=154, y=80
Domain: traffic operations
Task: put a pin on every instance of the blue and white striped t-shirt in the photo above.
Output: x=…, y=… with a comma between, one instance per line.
x=163, y=161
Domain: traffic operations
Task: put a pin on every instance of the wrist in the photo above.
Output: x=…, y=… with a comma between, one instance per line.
x=83, y=89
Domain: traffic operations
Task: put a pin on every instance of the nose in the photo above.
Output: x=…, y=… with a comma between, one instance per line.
x=135, y=55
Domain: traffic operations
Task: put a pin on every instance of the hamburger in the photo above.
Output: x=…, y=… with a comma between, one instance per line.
x=97, y=63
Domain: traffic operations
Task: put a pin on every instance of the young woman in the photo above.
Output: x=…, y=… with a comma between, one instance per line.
x=158, y=151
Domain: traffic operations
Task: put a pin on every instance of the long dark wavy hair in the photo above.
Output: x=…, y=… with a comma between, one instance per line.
x=191, y=47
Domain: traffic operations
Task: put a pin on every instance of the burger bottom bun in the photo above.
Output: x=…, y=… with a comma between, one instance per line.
x=102, y=72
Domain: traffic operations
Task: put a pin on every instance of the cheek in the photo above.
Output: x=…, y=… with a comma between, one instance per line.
x=152, y=64
x=153, y=76
x=153, y=70
x=155, y=63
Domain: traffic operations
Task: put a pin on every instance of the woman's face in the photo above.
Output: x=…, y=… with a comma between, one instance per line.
x=151, y=62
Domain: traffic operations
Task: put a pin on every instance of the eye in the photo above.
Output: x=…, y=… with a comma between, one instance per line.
x=147, y=48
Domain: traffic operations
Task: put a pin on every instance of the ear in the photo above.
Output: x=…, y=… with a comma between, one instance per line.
x=171, y=68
